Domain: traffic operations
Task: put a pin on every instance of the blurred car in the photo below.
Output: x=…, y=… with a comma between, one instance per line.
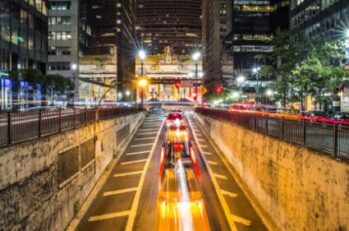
x=175, y=119
x=314, y=116
x=177, y=134
x=181, y=205
x=283, y=114
x=172, y=152
x=156, y=109
x=338, y=118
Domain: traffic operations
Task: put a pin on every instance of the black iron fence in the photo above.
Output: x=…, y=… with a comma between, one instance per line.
x=17, y=127
x=331, y=139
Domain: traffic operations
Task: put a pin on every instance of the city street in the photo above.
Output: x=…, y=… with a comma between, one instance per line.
x=129, y=199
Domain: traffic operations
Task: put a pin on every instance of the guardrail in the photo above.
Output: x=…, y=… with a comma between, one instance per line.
x=17, y=127
x=331, y=139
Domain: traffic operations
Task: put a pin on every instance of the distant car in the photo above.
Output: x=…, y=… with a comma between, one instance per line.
x=172, y=152
x=314, y=116
x=155, y=109
x=177, y=134
x=175, y=119
x=338, y=118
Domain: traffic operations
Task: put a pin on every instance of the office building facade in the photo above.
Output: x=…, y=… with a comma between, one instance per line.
x=114, y=36
x=175, y=23
x=24, y=30
x=320, y=18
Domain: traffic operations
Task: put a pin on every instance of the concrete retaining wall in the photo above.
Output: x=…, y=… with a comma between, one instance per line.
x=43, y=182
x=298, y=188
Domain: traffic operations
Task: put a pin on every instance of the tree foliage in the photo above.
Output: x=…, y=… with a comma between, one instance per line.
x=305, y=67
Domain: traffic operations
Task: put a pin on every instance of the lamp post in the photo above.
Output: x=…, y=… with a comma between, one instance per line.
x=142, y=55
x=255, y=71
x=74, y=67
x=142, y=83
x=196, y=56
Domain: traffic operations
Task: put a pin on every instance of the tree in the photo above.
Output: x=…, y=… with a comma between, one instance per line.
x=56, y=84
x=287, y=53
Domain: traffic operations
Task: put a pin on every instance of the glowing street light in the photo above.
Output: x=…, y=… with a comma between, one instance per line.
x=347, y=33
x=196, y=56
x=269, y=92
x=142, y=55
x=127, y=93
x=240, y=79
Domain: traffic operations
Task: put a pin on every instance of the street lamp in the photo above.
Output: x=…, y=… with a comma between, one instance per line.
x=142, y=55
x=269, y=93
x=142, y=83
x=127, y=93
x=74, y=67
x=196, y=56
x=240, y=79
x=255, y=71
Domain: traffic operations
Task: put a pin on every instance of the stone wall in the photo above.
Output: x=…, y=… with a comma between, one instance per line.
x=43, y=182
x=298, y=188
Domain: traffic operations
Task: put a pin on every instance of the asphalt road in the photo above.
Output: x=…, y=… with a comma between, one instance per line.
x=128, y=199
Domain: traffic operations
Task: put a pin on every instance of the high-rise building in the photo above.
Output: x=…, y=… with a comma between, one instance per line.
x=253, y=25
x=69, y=35
x=320, y=19
x=113, y=34
x=216, y=25
x=23, y=41
x=174, y=23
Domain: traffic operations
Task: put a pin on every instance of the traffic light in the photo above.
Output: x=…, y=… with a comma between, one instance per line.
x=178, y=84
x=219, y=89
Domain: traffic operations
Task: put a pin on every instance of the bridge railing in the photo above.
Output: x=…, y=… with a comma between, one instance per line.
x=17, y=127
x=330, y=139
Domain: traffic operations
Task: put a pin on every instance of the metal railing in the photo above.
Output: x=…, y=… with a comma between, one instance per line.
x=330, y=139
x=17, y=127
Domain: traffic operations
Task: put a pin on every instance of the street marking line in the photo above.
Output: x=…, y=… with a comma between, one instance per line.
x=202, y=140
x=109, y=216
x=145, y=138
x=221, y=198
x=137, y=197
x=127, y=174
x=137, y=153
x=230, y=194
x=117, y=192
x=203, y=146
x=146, y=133
x=140, y=145
x=240, y=220
x=148, y=129
x=207, y=153
x=212, y=162
x=133, y=162
x=219, y=176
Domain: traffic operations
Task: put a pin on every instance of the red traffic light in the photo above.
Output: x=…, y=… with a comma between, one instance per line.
x=178, y=83
x=219, y=89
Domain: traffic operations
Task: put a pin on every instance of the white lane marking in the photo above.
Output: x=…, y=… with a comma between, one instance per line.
x=212, y=162
x=201, y=140
x=117, y=192
x=146, y=133
x=137, y=153
x=133, y=162
x=230, y=194
x=109, y=216
x=240, y=220
x=145, y=138
x=221, y=198
x=219, y=176
x=127, y=174
x=137, y=197
x=207, y=153
x=148, y=129
x=140, y=145
x=203, y=146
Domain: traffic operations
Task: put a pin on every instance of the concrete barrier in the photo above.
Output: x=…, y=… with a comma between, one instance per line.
x=298, y=188
x=44, y=182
